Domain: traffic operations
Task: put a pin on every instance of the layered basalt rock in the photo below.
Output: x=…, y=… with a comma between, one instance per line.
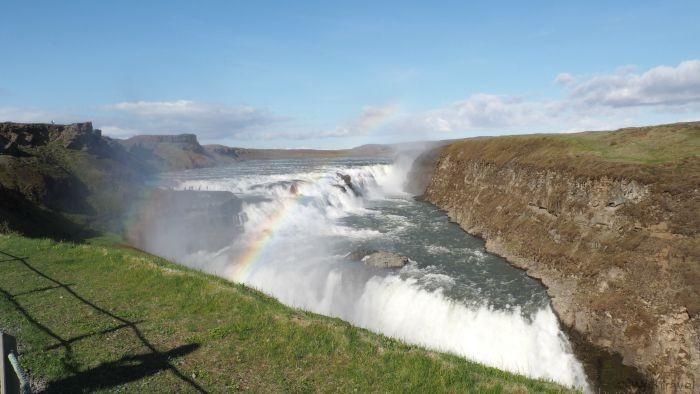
x=616, y=244
x=170, y=152
x=385, y=260
x=16, y=138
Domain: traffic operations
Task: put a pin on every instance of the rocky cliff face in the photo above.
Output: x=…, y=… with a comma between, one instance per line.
x=170, y=152
x=615, y=242
x=15, y=138
x=57, y=179
x=422, y=170
x=185, y=140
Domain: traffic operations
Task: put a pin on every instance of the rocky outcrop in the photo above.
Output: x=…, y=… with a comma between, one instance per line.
x=359, y=254
x=378, y=259
x=616, y=245
x=347, y=184
x=17, y=138
x=188, y=141
x=170, y=152
x=70, y=174
x=182, y=151
x=385, y=260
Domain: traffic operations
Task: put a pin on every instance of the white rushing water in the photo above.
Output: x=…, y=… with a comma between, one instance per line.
x=452, y=296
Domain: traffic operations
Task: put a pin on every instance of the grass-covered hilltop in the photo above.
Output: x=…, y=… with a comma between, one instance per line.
x=91, y=313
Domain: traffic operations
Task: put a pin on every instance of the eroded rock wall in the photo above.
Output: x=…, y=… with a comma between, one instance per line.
x=604, y=247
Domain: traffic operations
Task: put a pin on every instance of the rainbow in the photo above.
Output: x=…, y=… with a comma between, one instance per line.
x=243, y=264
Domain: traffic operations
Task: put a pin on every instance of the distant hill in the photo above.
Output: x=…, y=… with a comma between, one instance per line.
x=172, y=152
x=183, y=151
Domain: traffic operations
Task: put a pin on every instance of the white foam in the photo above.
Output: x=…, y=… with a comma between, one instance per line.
x=402, y=309
x=436, y=249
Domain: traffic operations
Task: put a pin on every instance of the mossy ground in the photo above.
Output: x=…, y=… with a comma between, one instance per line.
x=642, y=153
x=98, y=317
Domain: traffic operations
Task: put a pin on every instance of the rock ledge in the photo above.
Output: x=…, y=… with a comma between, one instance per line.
x=385, y=260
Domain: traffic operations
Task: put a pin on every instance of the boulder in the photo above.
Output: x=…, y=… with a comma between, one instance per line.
x=359, y=254
x=385, y=260
x=348, y=183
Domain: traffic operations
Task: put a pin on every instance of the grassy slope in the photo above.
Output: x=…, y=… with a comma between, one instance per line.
x=65, y=191
x=640, y=152
x=99, y=317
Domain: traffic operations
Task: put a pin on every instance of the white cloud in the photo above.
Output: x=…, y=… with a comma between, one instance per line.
x=563, y=79
x=368, y=121
x=598, y=102
x=28, y=115
x=488, y=111
x=661, y=85
x=118, y=132
x=620, y=98
x=209, y=121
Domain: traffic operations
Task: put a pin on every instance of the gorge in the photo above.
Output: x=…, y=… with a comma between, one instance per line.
x=605, y=222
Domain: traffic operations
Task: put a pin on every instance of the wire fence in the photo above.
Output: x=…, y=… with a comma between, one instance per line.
x=13, y=379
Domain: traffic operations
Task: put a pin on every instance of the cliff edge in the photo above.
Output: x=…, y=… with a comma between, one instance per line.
x=60, y=180
x=607, y=220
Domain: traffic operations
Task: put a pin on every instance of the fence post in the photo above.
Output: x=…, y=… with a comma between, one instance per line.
x=9, y=381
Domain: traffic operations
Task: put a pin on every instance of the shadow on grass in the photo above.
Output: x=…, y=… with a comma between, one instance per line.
x=19, y=214
x=127, y=369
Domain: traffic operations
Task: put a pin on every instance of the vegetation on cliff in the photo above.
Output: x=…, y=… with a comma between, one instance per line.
x=63, y=181
x=608, y=221
x=666, y=156
x=97, y=316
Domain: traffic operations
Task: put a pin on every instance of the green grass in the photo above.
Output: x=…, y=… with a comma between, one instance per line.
x=98, y=317
x=651, y=145
x=642, y=145
x=667, y=156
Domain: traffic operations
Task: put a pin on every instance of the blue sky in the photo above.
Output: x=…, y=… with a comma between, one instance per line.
x=323, y=74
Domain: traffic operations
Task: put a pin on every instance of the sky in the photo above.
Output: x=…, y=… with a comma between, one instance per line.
x=341, y=74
